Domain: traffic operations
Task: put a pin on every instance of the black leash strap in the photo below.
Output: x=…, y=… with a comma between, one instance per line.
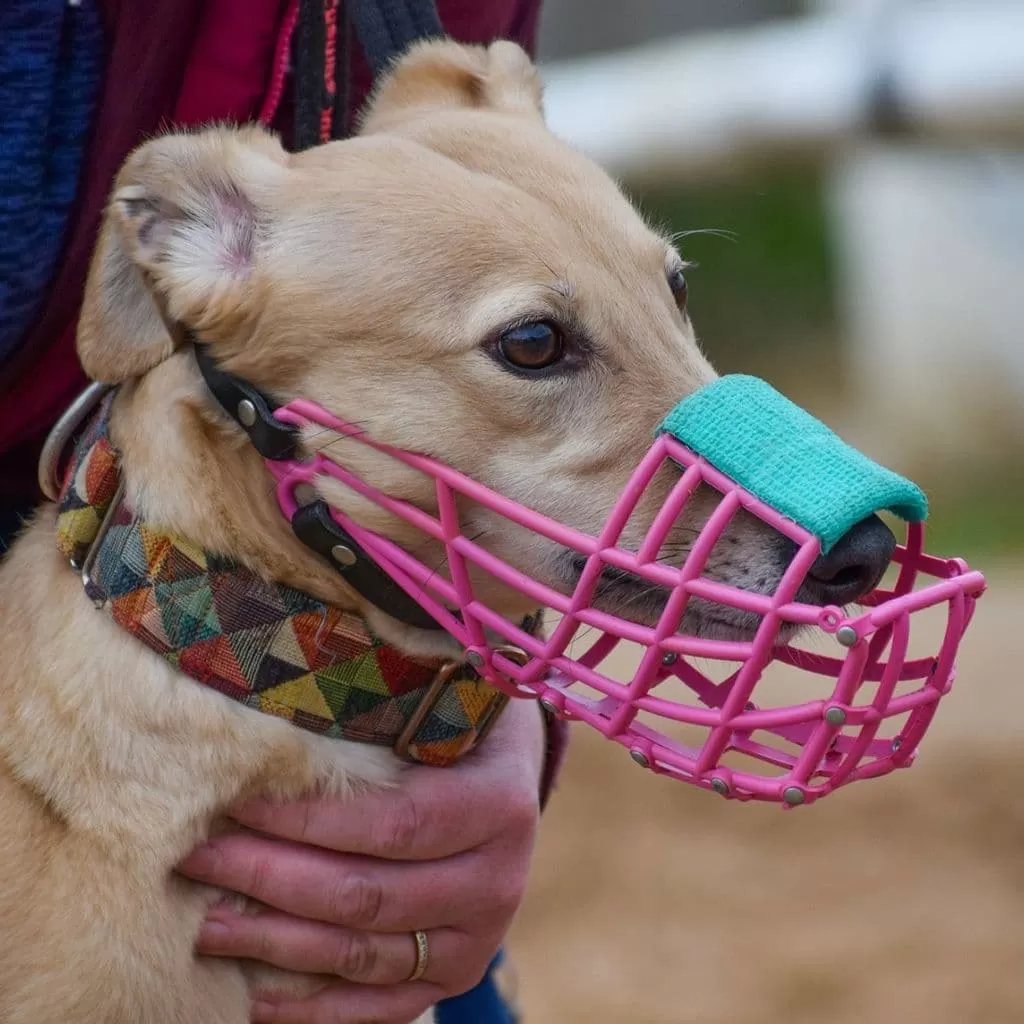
x=320, y=55
x=387, y=28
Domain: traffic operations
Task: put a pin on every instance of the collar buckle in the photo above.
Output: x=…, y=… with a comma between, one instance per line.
x=415, y=742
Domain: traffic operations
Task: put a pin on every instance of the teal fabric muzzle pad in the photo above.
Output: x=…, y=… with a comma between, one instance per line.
x=788, y=459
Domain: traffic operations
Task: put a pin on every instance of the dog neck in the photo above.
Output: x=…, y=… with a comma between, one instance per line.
x=191, y=468
x=268, y=645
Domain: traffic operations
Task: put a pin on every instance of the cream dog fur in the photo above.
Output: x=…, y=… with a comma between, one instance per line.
x=371, y=276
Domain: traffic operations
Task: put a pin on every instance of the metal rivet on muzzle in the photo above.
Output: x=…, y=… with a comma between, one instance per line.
x=475, y=658
x=669, y=658
x=720, y=786
x=793, y=796
x=835, y=716
x=246, y=413
x=549, y=706
x=847, y=636
x=640, y=758
x=343, y=555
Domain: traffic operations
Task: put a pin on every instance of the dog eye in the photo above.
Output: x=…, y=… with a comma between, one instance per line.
x=532, y=346
x=677, y=283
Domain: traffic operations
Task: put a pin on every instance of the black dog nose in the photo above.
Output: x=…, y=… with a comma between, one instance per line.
x=854, y=566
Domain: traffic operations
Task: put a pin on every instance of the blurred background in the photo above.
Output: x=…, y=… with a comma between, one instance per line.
x=847, y=177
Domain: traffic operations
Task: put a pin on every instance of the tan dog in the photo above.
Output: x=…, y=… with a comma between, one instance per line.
x=377, y=277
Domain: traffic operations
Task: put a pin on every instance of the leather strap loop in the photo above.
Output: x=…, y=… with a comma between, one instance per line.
x=249, y=408
x=253, y=411
x=387, y=28
x=315, y=527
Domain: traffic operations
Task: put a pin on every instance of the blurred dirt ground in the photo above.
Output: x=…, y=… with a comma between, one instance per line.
x=899, y=900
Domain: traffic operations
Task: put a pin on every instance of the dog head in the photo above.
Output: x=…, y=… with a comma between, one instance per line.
x=456, y=281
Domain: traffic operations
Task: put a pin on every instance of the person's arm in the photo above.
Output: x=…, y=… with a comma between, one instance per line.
x=347, y=882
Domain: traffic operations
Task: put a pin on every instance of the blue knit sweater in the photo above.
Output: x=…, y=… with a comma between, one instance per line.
x=50, y=63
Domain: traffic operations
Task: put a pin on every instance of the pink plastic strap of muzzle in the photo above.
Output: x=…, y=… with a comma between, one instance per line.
x=697, y=709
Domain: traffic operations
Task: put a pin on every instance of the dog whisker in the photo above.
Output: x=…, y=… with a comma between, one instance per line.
x=362, y=432
x=728, y=236
x=444, y=561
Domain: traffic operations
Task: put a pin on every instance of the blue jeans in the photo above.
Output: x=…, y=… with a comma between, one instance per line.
x=481, y=1005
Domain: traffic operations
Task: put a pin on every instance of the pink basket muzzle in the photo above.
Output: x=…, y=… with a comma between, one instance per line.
x=848, y=696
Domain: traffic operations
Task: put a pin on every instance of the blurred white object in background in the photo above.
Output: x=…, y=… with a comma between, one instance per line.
x=931, y=264
x=692, y=104
x=929, y=229
x=930, y=239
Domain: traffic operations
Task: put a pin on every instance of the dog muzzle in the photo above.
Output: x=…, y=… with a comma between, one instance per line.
x=818, y=696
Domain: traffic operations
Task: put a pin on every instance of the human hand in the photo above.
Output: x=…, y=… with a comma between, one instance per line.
x=347, y=882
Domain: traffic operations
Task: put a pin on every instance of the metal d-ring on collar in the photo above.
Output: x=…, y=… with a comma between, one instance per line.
x=48, y=471
x=63, y=431
x=447, y=720
x=313, y=524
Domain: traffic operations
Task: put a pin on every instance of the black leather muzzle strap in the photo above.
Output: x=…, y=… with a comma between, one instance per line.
x=313, y=524
x=386, y=29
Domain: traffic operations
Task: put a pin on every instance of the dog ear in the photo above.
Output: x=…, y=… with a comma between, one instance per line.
x=177, y=248
x=498, y=77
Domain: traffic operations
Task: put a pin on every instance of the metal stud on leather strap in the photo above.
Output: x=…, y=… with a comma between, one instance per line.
x=246, y=413
x=343, y=555
x=314, y=526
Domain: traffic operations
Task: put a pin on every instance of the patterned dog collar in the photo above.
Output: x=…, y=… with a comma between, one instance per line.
x=265, y=645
